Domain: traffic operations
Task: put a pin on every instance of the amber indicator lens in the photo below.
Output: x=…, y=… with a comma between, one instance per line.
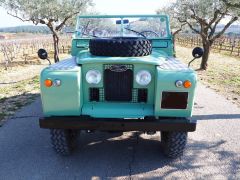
x=187, y=84
x=48, y=83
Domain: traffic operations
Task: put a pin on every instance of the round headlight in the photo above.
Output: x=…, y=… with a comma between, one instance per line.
x=93, y=77
x=143, y=78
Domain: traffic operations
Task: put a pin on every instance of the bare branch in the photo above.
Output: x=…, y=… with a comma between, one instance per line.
x=59, y=27
x=180, y=29
x=200, y=20
x=215, y=16
x=225, y=28
x=217, y=21
x=16, y=16
x=185, y=21
x=33, y=20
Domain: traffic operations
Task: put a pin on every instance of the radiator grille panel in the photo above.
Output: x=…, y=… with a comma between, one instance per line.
x=94, y=94
x=118, y=85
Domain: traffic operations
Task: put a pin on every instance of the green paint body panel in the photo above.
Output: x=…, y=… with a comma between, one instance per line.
x=165, y=82
x=65, y=99
x=117, y=110
x=72, y=97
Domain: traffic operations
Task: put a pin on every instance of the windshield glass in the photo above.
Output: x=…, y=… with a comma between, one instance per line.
x=149, y=27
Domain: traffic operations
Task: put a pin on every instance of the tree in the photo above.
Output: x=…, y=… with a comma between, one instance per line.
x=235, y=4
x=54, y=14
x=203, y=17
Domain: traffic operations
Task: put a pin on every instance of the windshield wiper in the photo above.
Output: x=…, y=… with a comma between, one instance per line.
x=136, y=32
x=89, y=35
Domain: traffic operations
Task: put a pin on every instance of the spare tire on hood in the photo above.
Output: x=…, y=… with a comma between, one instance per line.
x=120, y=47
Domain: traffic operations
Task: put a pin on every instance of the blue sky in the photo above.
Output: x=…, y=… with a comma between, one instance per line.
x=103, y=6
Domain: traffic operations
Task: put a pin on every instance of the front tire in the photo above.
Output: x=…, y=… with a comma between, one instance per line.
x=174, y=143
x=64, y=141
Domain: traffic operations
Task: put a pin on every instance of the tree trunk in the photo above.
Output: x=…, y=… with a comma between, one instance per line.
x=206, y=48
x=56, y=48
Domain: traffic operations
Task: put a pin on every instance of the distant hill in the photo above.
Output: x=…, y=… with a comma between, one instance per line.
x=232, y=29
x=32, y=29
x=26, y=29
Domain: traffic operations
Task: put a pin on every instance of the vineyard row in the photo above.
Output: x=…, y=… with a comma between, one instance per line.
x=224, y=44
x=25, y=49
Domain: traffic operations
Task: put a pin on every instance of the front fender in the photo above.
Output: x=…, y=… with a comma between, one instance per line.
x=64, y=99
x=165, y=82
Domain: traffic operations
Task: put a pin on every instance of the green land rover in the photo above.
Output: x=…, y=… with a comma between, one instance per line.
x=122, y=76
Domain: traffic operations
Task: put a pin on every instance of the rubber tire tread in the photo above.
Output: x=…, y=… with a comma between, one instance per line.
x=63, y=141
x=120, y=47
x=174, y=143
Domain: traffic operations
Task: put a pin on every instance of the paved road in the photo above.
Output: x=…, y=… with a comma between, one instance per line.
x=213, y=151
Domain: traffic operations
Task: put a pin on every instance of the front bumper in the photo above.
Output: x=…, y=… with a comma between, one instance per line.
x=115, y=124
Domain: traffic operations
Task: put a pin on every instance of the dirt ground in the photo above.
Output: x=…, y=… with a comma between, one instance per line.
x=222, y=75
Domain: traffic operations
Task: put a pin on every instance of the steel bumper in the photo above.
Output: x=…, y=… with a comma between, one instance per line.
x=115, y=124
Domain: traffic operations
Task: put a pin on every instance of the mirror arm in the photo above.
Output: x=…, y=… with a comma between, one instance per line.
x=191, y=62
x=49, y=62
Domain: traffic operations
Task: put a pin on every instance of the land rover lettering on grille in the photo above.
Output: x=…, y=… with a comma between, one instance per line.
x=118, y=68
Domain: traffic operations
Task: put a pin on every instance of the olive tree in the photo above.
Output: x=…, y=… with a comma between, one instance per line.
x=203, y=17
x=235, y=4
x=54, y=14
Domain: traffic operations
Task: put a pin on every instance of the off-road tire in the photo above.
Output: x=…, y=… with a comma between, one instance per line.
x=64, y=141
x=173, y=143
x=120, y=47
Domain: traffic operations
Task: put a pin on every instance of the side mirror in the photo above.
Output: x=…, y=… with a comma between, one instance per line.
x=197, y=53
x=42, y=54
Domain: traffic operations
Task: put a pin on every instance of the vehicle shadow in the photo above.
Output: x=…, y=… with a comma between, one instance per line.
x=216, y=116
x=9, y=106
x=111, y=156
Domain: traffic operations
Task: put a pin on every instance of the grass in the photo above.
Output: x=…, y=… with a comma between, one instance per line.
x=222, y=75
x=15, y=96
x=19, y=85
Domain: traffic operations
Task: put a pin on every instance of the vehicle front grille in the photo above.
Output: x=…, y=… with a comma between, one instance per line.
x=142, y=95
x=118, y=82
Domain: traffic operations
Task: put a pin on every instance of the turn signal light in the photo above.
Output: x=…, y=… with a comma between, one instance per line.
x=48, y=83
x=187, y=84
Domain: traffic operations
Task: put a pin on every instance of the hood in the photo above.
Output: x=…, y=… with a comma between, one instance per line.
x=156, y=58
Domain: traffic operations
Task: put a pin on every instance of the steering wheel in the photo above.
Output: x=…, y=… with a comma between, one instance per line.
x=148, y=33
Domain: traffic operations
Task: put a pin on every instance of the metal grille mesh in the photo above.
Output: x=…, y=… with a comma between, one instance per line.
x=120, y=81
x=118, y=85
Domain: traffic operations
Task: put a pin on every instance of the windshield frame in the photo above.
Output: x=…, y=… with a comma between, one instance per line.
x=122, y=17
